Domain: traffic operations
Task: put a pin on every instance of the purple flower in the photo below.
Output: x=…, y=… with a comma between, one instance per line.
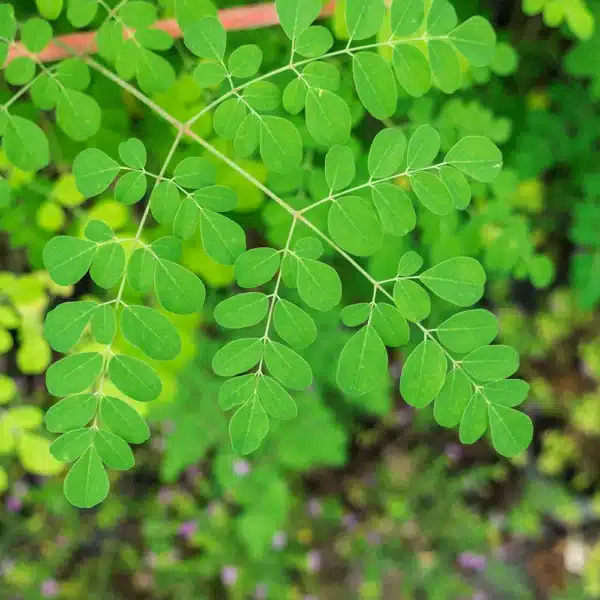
x=165, y=495
x=454, y=452
x=349, y=521
x=188, y=529
x=310, y=597
x=279, y=540
x=313, y=560
x=314, y=507
x=13, y=504
x=374, y=538
x=260, y=592
x=480, y=596
x=471, y=561
x=241, y=467
x=229, y=576
x=49, y=588
x=21, y=488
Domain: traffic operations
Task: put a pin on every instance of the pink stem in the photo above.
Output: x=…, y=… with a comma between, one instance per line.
x=254, y=16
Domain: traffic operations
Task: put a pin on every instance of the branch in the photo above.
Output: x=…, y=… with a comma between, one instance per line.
x=255, y=16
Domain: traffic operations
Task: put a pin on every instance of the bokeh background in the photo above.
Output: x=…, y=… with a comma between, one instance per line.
x=357, y=498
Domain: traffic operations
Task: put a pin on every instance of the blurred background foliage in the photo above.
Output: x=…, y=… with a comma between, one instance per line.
x=358, y=497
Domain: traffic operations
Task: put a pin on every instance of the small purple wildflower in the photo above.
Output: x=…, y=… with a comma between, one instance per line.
x=229, y=576
x=480, y=596
x=314, y=507
x=279, y=540
x=188, y=529
x=454, y=452
x=374, y=538
x=49, y=588
x=165, y=496
x=313, y=560
x=20, y=488
x=241, y=468
x=13, y=504
x=349, y=521
x=260, y=592
x=472, y=561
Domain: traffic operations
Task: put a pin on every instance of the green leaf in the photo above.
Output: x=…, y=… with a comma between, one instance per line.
x=287, y=366
x=209, y=74
x=313, y=42
x=507, y=392
x=296, y=16
x=238, y=357
x=8, y=23
x=151, y=332
x=223, y=239
x=309, y=247
x=238, y=390
x=453, y=398
x=154, y=73
x=340, y=167
x=94, y=171
x=36, y=34
x=375, y=84
x=74, y=74
x=390, y=325
x=275, y=400
x=133, y=153
x=458, y=280
x=477, y=157
x=319, y=285
x=294, y=325
x=423, y=147
x=168, y=248
x=475, y=40
x=294, y=96
x=474, y=421
x=73, y=374
x=327, y=117
x=364, y=18
x=353, y=224
x=114, y=451
x=468, y=330
x=491, y=363
x=245, y=61
x=185, y=223
x=432, y=192
x=322, y=76
x=263, y=96
x=140, y=270
x=412, y=69
x=512, y=431
x=131, y=188
x=407, y=16
x=71, y=445
x=134, y=378
x=457, y=185
x=409, y=264
x=280, y=144
x=243, y=310
x=387, y=153
x=394, y=208
x=423, y=374
x=229, y=117
x=78, y=115
x=164, y=202
x=190, y=11
x=256, y=267
x=25, y=144
x=68, y=259
x=98, y=231
x=108, y=265
x=124, y=420
x=412, y=300
x=362, y=367
x=441, y=18
x=247, y=136
x=206, y=38
x=87, y=483
x=194, y=172
x=445, y=66
x=50, y=9
x=72, y=412
x=44, y=90
x=20, y=71
x=104, y=324
x=248, y=427
x=177, y=289
x=137, y=14
x=65, y=324
x=355, y=314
